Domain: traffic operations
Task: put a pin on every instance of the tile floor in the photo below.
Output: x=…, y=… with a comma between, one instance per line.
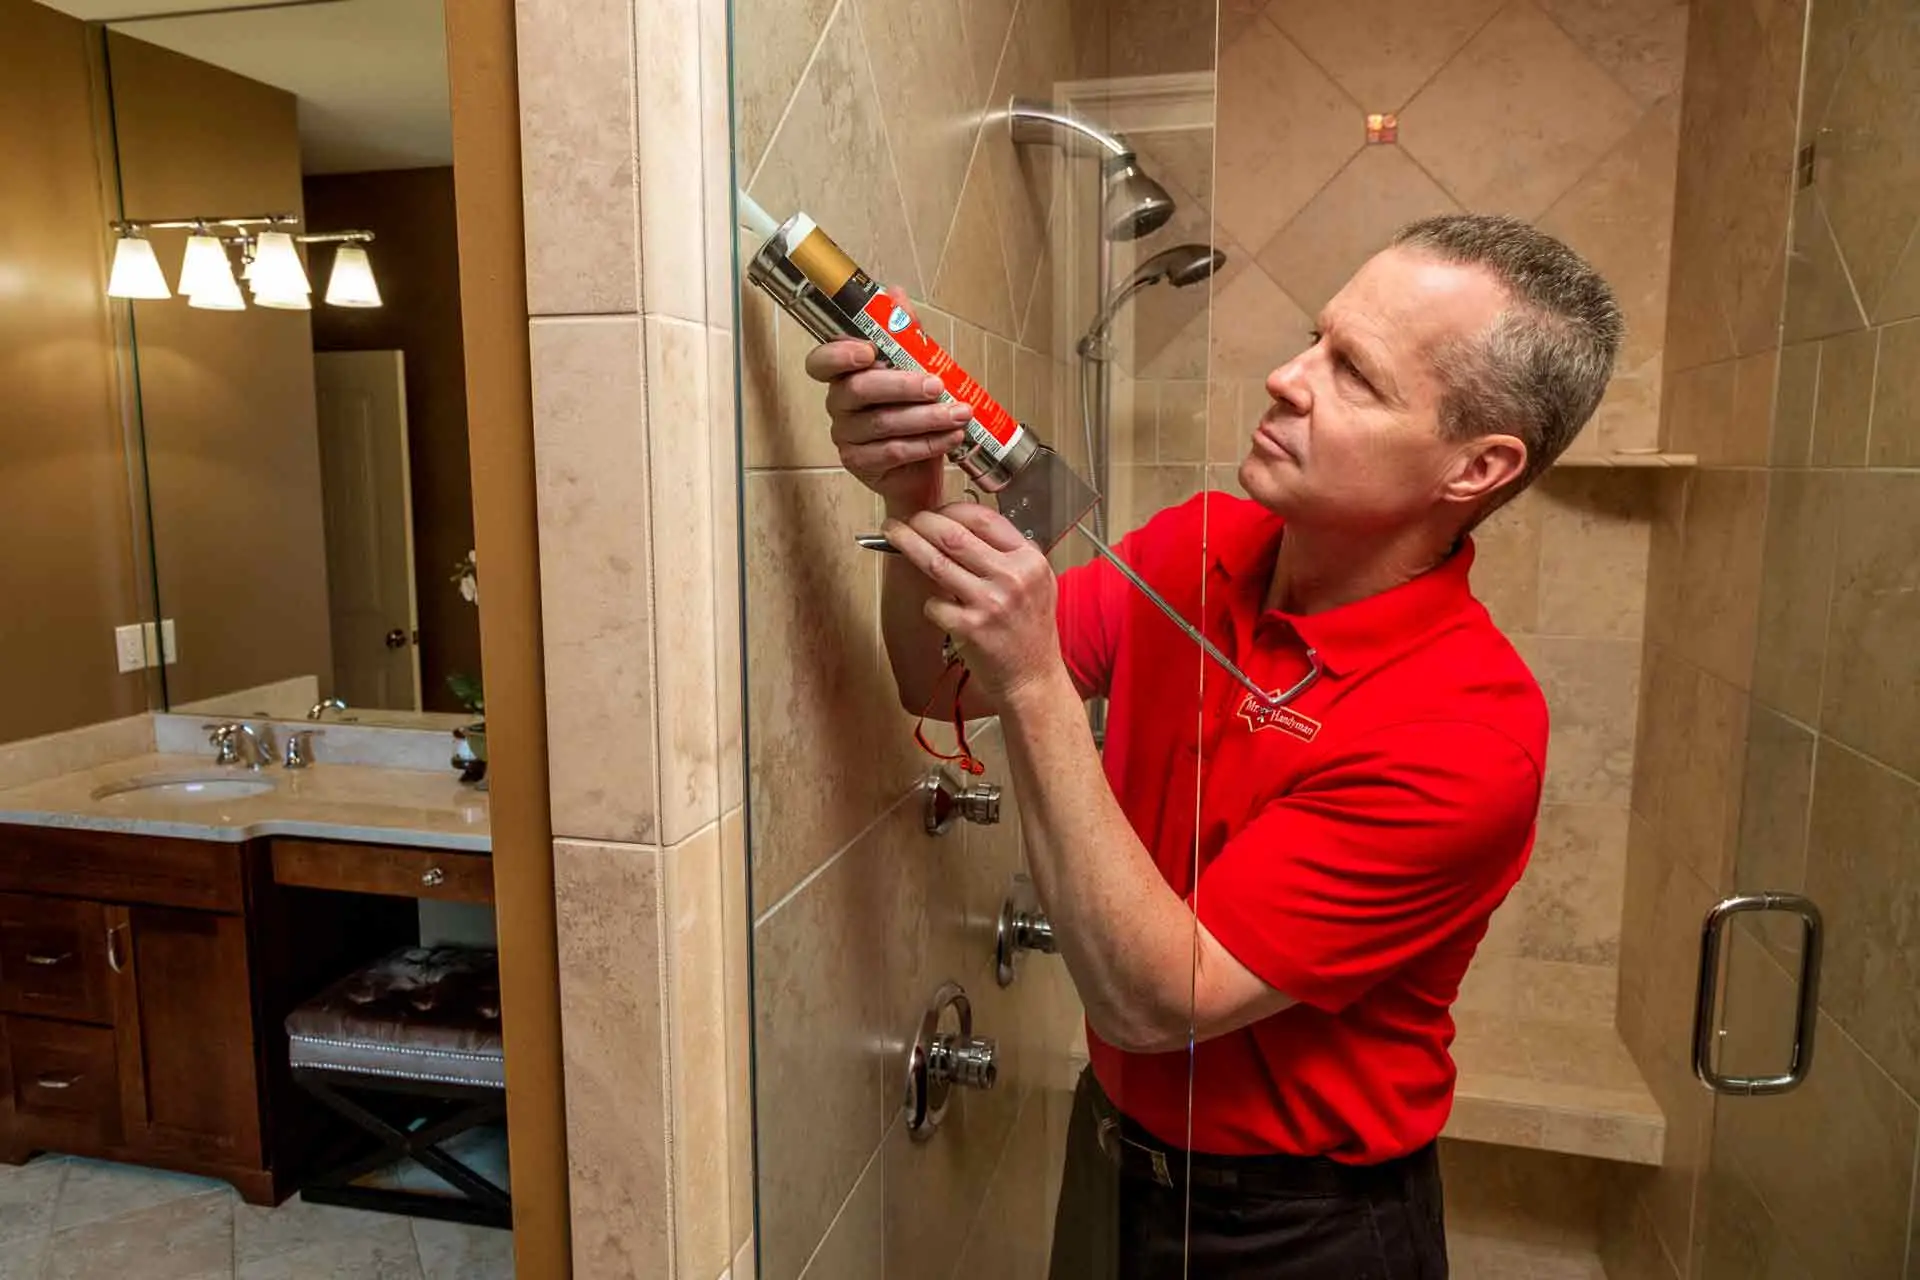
x=63, y=1218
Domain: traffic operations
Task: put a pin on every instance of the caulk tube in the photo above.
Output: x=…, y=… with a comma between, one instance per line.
x=813, y=280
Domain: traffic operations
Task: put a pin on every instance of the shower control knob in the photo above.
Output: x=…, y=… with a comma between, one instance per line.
x=1023, y=927
x=944, y=1053
x=947, y=798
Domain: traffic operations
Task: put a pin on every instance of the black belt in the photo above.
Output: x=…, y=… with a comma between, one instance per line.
x=1136, y=1153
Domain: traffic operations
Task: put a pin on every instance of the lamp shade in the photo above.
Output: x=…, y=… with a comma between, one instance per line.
x=218, y=291
x=352, y=284
x=277, y=272
x=205, y=266
x=136, y=271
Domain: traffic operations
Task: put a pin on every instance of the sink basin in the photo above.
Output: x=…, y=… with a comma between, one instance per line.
x=184, y=786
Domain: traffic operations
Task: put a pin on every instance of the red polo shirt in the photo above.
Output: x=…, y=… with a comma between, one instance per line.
x=1349, y=850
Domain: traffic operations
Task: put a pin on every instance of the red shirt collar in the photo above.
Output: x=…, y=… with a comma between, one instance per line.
x=1354, y=637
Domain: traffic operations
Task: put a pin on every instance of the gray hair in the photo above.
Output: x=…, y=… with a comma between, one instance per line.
x=1540, y=371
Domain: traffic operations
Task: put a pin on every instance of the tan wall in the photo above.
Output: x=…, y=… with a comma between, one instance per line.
x=410, y=212
x=67, y=570
x=1780, y=716
x=226, y=398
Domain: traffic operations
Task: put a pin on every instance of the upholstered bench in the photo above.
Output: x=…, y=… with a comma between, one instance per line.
x=408, y=1049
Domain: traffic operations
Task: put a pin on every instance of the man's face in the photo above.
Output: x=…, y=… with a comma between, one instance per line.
x=1352, y=438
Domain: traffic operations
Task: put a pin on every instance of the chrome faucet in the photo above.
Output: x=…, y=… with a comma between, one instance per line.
x=236, y=742
x=320, y=708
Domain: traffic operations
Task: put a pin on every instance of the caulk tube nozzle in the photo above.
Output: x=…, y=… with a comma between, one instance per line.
x=756, y=219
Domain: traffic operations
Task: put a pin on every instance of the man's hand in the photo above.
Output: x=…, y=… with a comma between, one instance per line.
x=994, y=592
x=892, y=433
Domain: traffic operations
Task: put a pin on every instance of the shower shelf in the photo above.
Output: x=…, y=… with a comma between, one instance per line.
x=1629, y=459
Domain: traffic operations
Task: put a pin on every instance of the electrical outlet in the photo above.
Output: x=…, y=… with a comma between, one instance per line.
x=160, y=641
x=130, y=648
x=150, y=636
x=167, y=645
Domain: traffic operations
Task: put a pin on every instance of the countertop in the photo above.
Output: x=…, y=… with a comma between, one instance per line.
x=416, y=807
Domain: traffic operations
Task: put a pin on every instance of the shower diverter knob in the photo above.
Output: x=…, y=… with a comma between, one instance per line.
x=948, y=798
x=945, y=1053
x=1023, y=926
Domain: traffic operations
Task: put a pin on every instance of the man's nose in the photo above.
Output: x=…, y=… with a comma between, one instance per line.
x=1288, y=384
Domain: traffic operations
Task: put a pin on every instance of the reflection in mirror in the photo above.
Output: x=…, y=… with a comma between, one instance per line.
x=301, y=396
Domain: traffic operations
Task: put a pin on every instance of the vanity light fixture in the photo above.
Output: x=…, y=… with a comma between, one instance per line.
x=352, y=283
x=136, y=271
x=270, y=264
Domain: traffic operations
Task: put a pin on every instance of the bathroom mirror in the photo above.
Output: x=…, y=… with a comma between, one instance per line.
x=302, y=416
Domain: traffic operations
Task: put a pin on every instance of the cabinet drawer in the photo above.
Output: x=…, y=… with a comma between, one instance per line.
x=384, y=869
x=54, y=958
x=66, y=1088
x=199, y=875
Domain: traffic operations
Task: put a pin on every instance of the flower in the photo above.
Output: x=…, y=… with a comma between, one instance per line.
x=466, y=576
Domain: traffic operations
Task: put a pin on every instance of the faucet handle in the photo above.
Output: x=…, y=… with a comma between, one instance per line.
x=300, y=747
x=225, y=740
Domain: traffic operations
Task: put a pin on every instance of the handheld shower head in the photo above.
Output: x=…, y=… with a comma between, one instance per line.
x=1180, y=266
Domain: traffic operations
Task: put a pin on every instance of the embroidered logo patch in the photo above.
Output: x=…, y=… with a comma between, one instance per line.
x=1260, y=715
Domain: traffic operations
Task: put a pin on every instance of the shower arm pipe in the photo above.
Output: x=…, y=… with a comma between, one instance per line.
x=1031, y=121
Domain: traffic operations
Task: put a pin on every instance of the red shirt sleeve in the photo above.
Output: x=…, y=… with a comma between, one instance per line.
x=1415, y=831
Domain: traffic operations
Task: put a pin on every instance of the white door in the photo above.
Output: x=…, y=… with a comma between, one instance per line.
x=369, y=514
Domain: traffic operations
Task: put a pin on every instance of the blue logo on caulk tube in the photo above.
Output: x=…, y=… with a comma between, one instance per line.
x=898, y=320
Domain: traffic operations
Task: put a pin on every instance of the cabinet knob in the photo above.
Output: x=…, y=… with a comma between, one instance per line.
x=50, y=961
x=433, y=877
x=56, y=1082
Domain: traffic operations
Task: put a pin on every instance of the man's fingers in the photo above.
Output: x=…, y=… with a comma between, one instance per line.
x=959, y=543
x=941, y=569
x=986, y=524
x=870, y=388
x=878, y=458
x=832, y=360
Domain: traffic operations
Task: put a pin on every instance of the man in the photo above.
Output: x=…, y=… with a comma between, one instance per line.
x=1351, y=845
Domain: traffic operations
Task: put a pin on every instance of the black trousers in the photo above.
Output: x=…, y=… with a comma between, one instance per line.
x=1132, y=1208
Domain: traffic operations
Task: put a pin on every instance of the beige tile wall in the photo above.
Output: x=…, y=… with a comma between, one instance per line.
x=879, y=121
x=624, y=122
x=1779, y=715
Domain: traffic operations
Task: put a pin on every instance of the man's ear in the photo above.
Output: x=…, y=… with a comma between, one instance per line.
x=1484, y=466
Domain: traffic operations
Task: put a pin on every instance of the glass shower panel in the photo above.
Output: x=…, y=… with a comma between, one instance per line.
x=918, y=1038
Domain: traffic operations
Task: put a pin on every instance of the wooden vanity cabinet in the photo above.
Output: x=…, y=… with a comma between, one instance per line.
x=143, y=985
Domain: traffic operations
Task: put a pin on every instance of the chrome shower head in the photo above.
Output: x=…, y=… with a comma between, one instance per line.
x=1180, y=266
x=1134, y=205
x=1131, y=203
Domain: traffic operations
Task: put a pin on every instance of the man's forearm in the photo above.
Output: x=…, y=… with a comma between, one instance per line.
x=1126, y=937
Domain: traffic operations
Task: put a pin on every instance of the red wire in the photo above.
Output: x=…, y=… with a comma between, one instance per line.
x=964, y=756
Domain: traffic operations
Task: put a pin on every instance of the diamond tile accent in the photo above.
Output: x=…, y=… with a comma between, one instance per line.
x=1517, y=117
x=972, y=280
x=1351, y=219
x=772, y=41
x=1640, y=43
x=1284, y=130
x=1381, y=51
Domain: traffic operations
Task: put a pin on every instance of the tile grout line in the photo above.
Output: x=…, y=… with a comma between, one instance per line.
x=793, y=95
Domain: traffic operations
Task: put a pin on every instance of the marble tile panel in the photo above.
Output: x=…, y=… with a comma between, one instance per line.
x=37, y=759
x=180, y=1239
x=1772, y=852
x=1593, y=554
x=1720, y=573
x=1571, y=892
x=680, y=506
x=1592, y=689
x=590, y=431
x=773, y=42
x=612, y=937
x=817, y=1012
x=1820, y=297
x=701, y=1084
x=577, y=101
x=1871, y=700
x=299, y=1227
x=971, y=281
x=455, y=1251
x=1843, y=405
x=1749, y=435
x=852, y=1248
x=1796, y=590
x=671, y=159
x=1794, y=405
x=28, y=1194
x=1895, y=433
x=724, y=478
x=96, y=1189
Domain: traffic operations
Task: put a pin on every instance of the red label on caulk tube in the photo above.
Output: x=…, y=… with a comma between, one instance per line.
x=895, y=333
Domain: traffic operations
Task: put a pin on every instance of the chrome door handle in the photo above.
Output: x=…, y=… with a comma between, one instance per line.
x=1706, y=1013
